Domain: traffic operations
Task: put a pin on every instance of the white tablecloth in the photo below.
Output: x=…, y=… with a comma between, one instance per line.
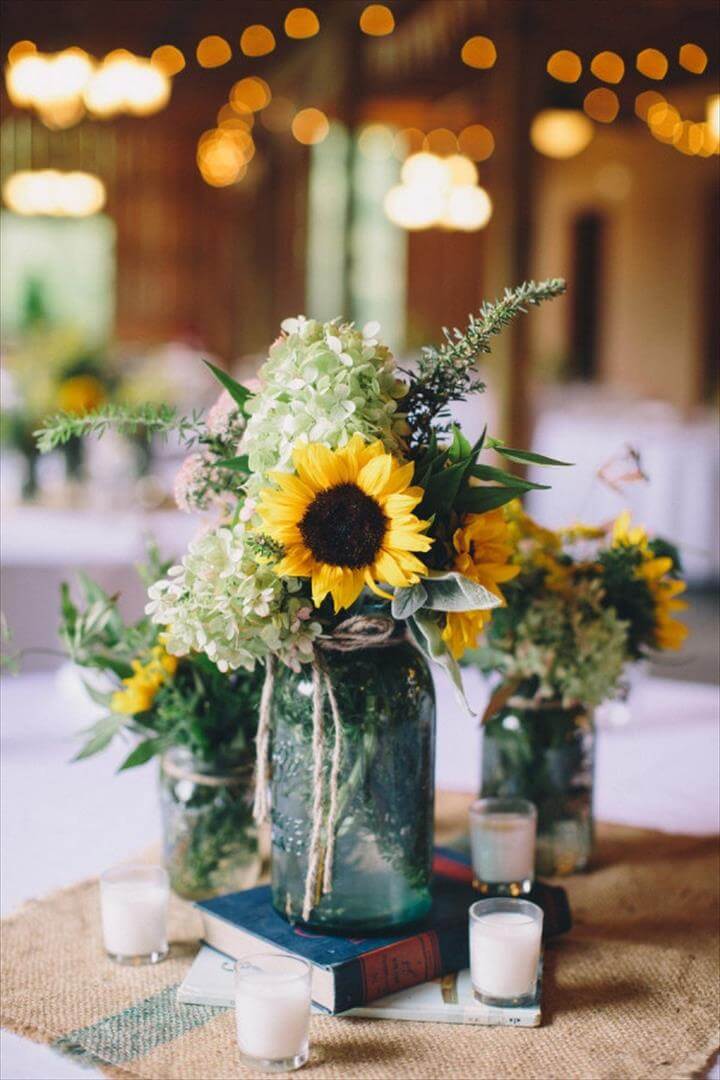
x=63, y=822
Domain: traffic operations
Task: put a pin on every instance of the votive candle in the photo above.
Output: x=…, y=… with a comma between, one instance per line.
x=272, y=1011
x=502, y=838
x=133, y=905
x=505, y=938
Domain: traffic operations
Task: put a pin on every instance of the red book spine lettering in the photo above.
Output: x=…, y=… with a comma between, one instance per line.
x=399, y=966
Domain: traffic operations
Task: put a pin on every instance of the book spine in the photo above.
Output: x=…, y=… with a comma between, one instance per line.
x=399, y=966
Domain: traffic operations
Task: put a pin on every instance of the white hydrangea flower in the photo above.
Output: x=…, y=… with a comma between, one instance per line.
x=223, y=602
x=321, y=383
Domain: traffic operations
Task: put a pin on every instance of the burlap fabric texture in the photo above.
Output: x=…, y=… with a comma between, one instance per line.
x=632, y=991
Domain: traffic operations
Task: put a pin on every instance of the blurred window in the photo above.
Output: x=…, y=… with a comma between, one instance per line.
x=71, y=263
x=327, y=224
x=587, y=242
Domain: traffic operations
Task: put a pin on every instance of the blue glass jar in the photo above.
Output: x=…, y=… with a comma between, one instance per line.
x=385, y=795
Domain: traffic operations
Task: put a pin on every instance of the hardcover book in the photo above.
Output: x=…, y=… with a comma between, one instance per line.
x=352, y=972
x=449, y=1000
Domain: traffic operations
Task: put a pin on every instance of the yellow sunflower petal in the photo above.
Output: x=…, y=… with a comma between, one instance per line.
x=373, y=476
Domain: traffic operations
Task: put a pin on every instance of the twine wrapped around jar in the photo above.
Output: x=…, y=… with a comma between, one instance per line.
x=357, y=632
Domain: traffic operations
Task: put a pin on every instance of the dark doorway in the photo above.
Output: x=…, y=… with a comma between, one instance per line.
x=587, y=244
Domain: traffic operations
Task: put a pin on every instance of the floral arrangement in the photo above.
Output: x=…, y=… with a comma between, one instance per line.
x=584, y=602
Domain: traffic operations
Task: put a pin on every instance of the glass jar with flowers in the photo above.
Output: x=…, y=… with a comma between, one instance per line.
x=359, y=537
x=585, y=603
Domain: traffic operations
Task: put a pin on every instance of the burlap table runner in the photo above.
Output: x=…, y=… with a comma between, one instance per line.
x=631, y=992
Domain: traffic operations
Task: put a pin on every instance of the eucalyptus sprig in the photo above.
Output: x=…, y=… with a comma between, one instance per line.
x=445, y=372
x=127, y=419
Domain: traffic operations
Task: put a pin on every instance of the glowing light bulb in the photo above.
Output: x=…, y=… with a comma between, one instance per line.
x=560, y=133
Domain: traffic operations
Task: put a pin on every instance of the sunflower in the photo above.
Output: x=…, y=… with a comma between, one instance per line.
x=345, y=520
x=482, y=550
x=654, y=570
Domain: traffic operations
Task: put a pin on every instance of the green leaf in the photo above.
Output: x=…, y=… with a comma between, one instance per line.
x=407, y=601
x=121, y=668
x=100, y=697
x=442, y=489
x=103, y=732
x=237, y=464
x=478, y=500
x=452, y=591
x=142, y=753
x=460, y=448
x=489, y=472
x=236, y=390
x=523, y=456
x=428, y=637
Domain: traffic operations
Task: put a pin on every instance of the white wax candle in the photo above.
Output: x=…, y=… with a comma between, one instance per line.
x=272, y=1016
x=134, y=915
x=504, y=953
x=503, y=846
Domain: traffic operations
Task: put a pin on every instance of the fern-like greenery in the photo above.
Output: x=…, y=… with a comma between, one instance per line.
x=445, y=372
x=127, y=419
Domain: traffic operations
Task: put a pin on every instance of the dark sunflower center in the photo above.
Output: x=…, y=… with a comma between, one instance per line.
x=344, y=527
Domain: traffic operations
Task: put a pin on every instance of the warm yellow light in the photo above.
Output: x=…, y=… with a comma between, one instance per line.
x=414, y=208
x=257, y=40
x=301, y=22
x=229, y=116
x=59, y=115
x=712, y=114
x=20, y=49
x=375, y=142
x=608, y=66
x=645, y=101
x=462, y=170
x=479, y=52
x=251, y=93
x=213, y=51
x=277, y=116
x=223, y=155
x=377, y=20
x=477, y=142
x=652, y=64
x=711, y=141
x=50, y=192
x=602, y=105
x=310, y=126
x=425, y=171
x=692, y=58
x=169, y=59
x=663, y=121
x=468, y=209
x=408, y=141
x=127, y=83
x=560, y=133
x=565, y=66
x=441, y=141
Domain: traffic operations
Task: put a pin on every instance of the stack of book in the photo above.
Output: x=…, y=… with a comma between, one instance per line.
x=421, y=975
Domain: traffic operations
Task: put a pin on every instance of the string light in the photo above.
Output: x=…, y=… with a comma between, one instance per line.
x=440, y=192
x=602, y=105
x=251, y=93
x=565, y=66
x=168, y=59
x=440, y=141
x=477, y=142
x=652, y=63
x=712, y=115
x=377, y=20
x=468, y=209
x=608, y=67
x=257, y=40
x=692, y=58
x=479, y=52
x=301, y=23
x=408, y=141
x=126, y=83
x=310, y=126
x=20, y=49
x=53, y=193
x=560, y=133
x=213, y=51
x=645, y=101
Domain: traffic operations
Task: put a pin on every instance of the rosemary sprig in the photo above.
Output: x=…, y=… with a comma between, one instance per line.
x=445, y=372
x=127, y=419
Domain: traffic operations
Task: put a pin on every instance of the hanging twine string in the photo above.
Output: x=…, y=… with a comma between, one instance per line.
x=357, y=632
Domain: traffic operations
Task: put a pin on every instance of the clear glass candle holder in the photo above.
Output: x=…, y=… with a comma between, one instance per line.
x=505, y=941
x=134, y=906
x=272, y=1011
x=502, y=839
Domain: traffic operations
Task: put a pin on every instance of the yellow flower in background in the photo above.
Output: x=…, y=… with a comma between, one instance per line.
x=144, y=683
x=80, y=394
x=578, y=531
x=482, y=551
x=669, y=633
x=527, y=537
x=345, y=520
x=624, y=533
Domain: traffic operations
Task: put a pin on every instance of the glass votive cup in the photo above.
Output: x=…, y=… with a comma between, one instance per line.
x=502, y=840
x=133, y=907
x=505, y=937
x=272, y=1011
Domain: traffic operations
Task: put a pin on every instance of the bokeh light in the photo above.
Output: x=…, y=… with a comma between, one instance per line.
x=213, y=51
x=560, y=133
x=440, y=141
x=414, y=208
x=251, y=93
x=608, y=67
x=54, y=193
x=408, y=141
x=126, y=83
x=652, y=63
x=477, y=142
x=692, y=58
x=301, y=22
x=462, y=170
x=310, y=126
x=20, y=49
x=377, y=20
x=663, y=120
x=712, y=114
x=277, y=116
x=602, y=105
x=376, y=142
x=479, y=52
x=468, y=209
x=169, y=59
x=565, y=66
x=645, y=101
x=257, y=40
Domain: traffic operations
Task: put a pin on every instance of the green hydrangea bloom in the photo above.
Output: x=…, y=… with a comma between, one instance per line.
x=321, y=383
x=224, y=602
